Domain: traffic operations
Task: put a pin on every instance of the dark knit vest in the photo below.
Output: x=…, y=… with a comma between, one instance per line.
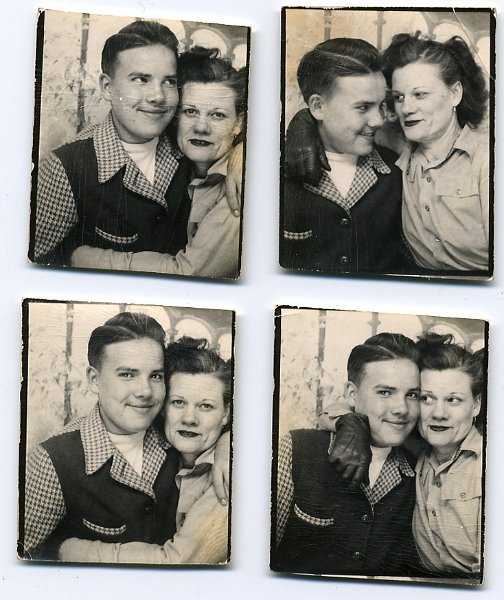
x=100, y=508
x=332, y=527
x=113, y=217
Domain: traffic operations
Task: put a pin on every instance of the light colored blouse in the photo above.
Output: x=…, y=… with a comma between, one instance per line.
x=445, y=212
x=447, y=517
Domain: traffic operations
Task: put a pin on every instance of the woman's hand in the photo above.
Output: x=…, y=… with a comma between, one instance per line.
x=234, y=179
x=220, y=469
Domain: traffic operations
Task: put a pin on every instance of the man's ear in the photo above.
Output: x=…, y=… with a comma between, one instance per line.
x=350, y=392
x=92, y=379
x=105, y=81
x=316, y=105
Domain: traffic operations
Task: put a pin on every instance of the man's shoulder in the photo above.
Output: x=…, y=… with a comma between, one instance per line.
x=388, y=156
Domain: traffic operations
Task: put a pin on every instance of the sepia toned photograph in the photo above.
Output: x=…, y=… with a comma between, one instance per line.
x=379, y=438
x=125, y=450
x=139, y=144
x=387, y=140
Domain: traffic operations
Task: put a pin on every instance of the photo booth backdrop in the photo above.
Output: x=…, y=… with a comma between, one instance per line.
x=315, y=345
x=58, y=334
x=71, y=98
x=308, y=27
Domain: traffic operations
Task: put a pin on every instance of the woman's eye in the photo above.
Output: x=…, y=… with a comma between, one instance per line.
x=218, y=116
x=177, y=402
x=454, y=400
x=420, y=95
x=398, y=98
x=206, y=406
x=426, y=399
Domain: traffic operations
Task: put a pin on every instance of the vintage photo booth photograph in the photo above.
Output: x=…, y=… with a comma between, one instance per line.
x=379, y=443
x=139, y=144
x=125, y=450
x=387, y=141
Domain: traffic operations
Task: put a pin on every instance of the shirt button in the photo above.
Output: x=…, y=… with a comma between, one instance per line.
x=429, y=178
x=438, y=483
x=357, y=556
x=437, y=240
x=159, y=219
x=459, y=191
x=462, y=494
x=427, y=208
x=366, y=519
x=433, y=513
x=149, y=509
x=344, y=223
x=344, y=260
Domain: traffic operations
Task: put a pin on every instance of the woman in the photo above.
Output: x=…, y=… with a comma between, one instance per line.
x=210, y=121
x=447, y=517
x=440, y=99
x=196, y=413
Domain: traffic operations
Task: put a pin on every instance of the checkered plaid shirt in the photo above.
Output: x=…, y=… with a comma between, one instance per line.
x=56, y=213
x=364, y=179
x=390, y=477
x=44, y=502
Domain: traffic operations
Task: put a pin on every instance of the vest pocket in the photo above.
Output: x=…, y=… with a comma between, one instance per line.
x=117, y=239
x=104, y=530
x=317, y=521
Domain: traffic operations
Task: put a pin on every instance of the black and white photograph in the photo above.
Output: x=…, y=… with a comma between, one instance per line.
x=387, y=141
x=379, y=445
x=139, y=144
x=126, y=434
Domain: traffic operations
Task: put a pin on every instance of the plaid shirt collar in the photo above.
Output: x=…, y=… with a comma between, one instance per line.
x=98, y=449
x=390, y=476
x=364, y=179
x=112, y=157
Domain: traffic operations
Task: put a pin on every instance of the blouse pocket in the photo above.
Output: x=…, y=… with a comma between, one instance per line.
x=123, y=240
x=311, y=520
x=463, y=490
x=104, y=530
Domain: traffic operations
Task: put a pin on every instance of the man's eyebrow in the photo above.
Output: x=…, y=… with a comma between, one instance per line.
x=139, y=74
x=385, y=386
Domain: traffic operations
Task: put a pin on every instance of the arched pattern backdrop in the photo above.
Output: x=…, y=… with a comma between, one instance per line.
x=58, y=334
x=71, y=98
x=309, y=27
x=315, y=345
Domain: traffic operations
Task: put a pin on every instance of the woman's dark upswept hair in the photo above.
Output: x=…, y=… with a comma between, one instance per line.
x=194, y=356
x=123, y=327
x=380, y=347
x=440, y=352
x=455, y=63
x=205, y=65
x=320, y=68
x=136, y=35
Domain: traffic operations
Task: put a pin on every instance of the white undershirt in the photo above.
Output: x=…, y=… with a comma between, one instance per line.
x=343, y=167
x=144, y=156
x=131, y=447
x=377, y=462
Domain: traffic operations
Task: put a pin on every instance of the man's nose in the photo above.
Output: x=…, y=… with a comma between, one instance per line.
x=144, y=388
x=375, y=119
x=398, y=405
x=156, y=93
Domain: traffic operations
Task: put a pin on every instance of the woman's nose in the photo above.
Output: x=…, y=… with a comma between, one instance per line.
x=201, y=124
x=189, y=416
x=408, y=105
x=439, y=411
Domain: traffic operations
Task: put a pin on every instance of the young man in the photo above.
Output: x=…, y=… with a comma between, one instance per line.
x=109, y=476
x=328, y=525
x=120, y=185
x=343, y=216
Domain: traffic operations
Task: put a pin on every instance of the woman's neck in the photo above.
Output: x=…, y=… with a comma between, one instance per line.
x=444, y=454
x=201, y=169
x=440, y=148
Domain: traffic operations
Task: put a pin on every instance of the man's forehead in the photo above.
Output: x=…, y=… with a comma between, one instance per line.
x=141, y=59
x=393, y=372
x=370, y=87
x=133, y=351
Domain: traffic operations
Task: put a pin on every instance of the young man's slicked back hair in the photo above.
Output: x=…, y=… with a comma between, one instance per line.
x=320, y=68
x=136, y=35
x=380, y=347
x=123, y=327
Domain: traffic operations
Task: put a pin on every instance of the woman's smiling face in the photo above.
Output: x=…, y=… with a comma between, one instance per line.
x=194, y=413
x=207, y=123
x=447, y=408
x=423, y=102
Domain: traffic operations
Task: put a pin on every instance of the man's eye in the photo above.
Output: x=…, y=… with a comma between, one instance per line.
x=158, y=376
x=363, y=108
x=139, y=79
x=412, y=396
x=384, y=393
x=126, y=375
x=172, y=82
